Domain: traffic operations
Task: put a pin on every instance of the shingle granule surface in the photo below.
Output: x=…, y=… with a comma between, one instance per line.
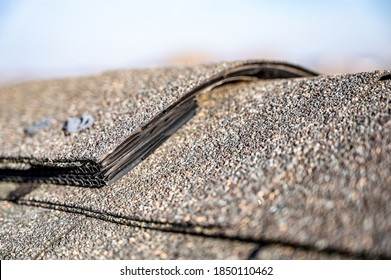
x=38, y=233
x=26, y=231
x=96, y=239
x=314, y=151
x=120, y=101
x=91, y=131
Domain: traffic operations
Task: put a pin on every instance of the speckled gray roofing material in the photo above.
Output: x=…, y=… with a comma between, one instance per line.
x=129, y=114
x=300, y=167
x=25, y=231
x=38, y=233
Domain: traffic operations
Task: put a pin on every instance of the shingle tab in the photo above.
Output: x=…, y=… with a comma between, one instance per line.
x=96, y=239
x=37, y=233
x=302, y=161
x=91, y=131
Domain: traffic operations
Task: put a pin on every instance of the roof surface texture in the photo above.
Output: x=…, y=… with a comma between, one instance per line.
x=289, y=167
x=134, y=112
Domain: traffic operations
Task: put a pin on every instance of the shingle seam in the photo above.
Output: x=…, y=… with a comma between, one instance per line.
x=197, y=230
x=54, y=241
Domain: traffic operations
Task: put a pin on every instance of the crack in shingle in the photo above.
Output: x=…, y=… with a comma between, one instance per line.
x=54, y=241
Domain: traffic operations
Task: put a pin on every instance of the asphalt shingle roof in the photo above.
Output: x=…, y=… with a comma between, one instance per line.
x=127, y=115
x=290, y=168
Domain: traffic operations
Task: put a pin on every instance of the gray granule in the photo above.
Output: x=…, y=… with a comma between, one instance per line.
x=36, y=126
x=26, y=231
x=96, y=239
x=32, y=232
x=119, y=101
x=133, y=113
x=74, y=125
x=316, y=151
x=279, y=252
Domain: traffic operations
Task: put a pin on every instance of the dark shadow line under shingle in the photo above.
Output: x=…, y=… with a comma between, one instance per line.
x=211, y=232
x=22, y=190
x=254, y=253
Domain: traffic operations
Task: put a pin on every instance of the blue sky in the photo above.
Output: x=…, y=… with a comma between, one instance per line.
x=46, y=38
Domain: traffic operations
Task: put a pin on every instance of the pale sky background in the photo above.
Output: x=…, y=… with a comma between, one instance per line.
x=46, y=38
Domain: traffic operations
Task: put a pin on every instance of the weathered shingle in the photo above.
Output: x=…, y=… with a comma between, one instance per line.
x=37, y=233
x=301, y=163
x=91, y=131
